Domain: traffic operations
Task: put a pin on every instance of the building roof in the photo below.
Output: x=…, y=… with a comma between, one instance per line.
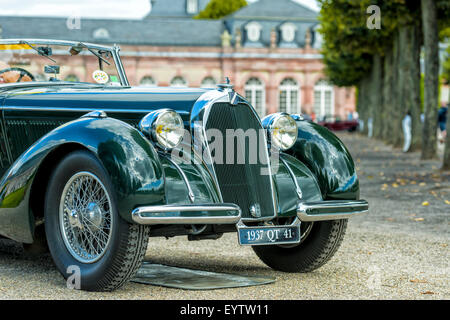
x=167, y=25
x=155, y=31
x=172, y=8
x=270, y=9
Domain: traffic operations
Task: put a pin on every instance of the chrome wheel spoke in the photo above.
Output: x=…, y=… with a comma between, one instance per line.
x=85, y=217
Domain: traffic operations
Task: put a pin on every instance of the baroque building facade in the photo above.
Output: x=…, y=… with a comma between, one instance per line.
x=270, y=50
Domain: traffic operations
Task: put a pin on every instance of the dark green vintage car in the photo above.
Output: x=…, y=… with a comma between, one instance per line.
x=94, y=169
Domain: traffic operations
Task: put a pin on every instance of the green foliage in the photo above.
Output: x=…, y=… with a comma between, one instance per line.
x=217, y=9
x=446, y=67
x=445, y=37
x=349, y=44
x=443, y=9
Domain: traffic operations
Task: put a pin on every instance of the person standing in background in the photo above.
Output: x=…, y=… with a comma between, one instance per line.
x=406, y=125
x=442, y=120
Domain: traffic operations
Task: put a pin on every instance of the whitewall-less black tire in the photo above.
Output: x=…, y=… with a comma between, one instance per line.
x=84, y=229
x=314, y=251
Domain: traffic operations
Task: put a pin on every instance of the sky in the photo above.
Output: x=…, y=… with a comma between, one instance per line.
x=129, y=9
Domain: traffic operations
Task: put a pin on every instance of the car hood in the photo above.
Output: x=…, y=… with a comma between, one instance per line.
x=135, y=99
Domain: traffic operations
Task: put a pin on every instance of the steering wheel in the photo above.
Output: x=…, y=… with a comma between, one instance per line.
x=23, y=74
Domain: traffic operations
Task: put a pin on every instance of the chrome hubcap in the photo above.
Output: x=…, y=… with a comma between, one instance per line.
x=85, y=217
x=95, y=216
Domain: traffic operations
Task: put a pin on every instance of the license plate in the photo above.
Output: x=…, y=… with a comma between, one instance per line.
x=269, y=235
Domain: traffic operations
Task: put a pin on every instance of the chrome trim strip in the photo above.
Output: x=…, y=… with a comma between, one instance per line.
x=348, y=208
x=291, y=173
x=119, y=66
x=185, y=179
x=81, y=110
x=198, y=114
x=138, y=215
x=100, y=114
x=114, y=51
x=56, y=43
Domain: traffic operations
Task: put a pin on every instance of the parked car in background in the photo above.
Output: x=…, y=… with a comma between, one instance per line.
x=337, y=124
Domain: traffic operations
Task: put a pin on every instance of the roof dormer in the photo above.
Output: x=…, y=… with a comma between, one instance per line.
x=101, y=34
x=253, y=34
x=191, y=7
x=288, y=32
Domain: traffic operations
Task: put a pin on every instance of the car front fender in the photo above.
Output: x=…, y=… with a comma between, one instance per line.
x=129, y=158
x=328, y=158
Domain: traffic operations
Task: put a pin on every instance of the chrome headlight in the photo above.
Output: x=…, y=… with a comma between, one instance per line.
x=165, y=127
x=282, y=130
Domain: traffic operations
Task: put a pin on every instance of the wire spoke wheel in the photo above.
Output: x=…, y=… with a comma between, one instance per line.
x=85, y=217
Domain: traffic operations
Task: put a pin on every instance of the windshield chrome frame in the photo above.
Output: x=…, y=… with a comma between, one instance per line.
x=113, y=50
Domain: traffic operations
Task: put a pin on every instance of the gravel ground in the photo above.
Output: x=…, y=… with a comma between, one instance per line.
x=398, y=251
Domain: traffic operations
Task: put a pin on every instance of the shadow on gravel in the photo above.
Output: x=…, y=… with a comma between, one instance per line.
x=212, y=265
x=13, y=250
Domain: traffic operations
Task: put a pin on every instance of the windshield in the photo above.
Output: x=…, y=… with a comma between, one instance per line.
x=34, y=62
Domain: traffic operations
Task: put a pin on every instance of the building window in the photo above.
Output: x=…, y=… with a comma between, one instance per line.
x=178, y=82
x=72, y=78
x=254, y=93
x=192, y=6
x=101, y=33
x=253, y=31
x=208, y=83
x=147, y=81
x=323, y=100
x=288, y=32
x=289, y=96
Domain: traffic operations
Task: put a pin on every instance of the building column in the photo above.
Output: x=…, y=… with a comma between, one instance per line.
x=228, y=69
x=307, y=94
x=307, y=98
x=131, y=70
x=272, y=95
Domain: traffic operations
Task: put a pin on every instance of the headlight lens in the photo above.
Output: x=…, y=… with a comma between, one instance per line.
x=165, y=127
x=283, y=130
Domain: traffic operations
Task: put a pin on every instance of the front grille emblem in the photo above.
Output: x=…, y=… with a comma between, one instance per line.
x=255, y=210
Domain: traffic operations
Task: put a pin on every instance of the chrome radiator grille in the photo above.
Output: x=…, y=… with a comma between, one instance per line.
x=241, y=182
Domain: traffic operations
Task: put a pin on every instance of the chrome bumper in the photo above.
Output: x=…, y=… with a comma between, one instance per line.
x=217, y=213
x=331, y=210
x=228, y=213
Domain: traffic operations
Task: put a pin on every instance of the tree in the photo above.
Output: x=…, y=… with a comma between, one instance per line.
x=217, y=9
x=445, y=34
x=382, y=63
x=431, y=92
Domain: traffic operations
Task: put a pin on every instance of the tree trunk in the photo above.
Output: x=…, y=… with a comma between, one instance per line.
x=431, y=42
x=446, y=160
x=376, y=96
x=411, y=69
x=358, y=101
x=388, y=79
x=363, y=103
x=396, y=134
